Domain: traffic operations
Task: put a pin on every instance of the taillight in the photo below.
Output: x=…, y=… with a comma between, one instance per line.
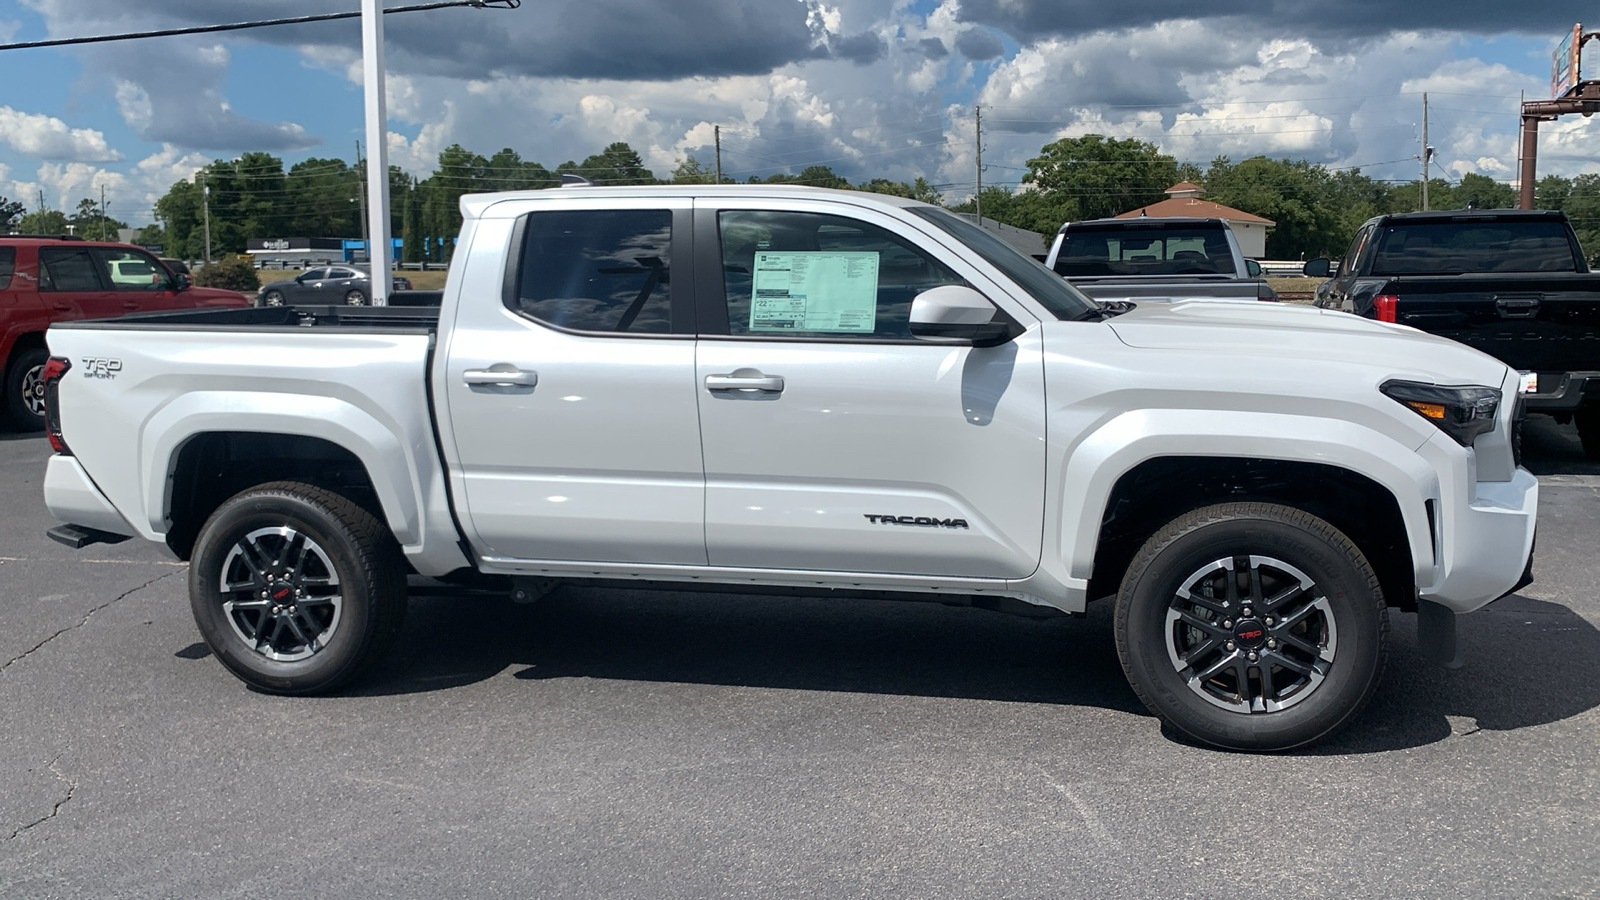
x=53, y=372
x=1384, y=304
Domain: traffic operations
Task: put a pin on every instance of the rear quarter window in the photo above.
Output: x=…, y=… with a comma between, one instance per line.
x=8, y=264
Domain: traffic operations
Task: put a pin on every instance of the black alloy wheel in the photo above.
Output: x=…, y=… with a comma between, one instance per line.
x=1252, y=626
x=296, y=589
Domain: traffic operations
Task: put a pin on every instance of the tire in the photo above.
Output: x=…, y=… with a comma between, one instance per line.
x=255, y=556
x=354, y=297
x=272, y=298
x=24, y=388
x=1310, y=608
x=1588, y=418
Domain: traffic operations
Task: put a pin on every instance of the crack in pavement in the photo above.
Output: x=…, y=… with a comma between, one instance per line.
x=83, y=621
x=72, y=789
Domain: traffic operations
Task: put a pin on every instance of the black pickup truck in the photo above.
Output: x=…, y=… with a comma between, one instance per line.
x=1512, y=283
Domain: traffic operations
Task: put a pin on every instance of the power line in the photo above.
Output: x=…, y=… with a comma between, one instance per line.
x=263, y=23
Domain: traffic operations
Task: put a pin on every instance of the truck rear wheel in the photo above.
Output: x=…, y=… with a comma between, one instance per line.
x=1588, y=418
x=296, y=589
x=1251, y=626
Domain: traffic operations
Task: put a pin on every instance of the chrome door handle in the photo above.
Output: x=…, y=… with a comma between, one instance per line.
x=510, y=378
x=766, y=384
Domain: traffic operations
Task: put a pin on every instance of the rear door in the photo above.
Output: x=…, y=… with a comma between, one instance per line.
x=73, y=285
x=833, y=439
x=570, y=385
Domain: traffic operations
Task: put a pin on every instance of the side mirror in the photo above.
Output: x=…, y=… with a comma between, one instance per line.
x=184, y=281
x=1252, y=268
x=1318, y=268
x=955, y=312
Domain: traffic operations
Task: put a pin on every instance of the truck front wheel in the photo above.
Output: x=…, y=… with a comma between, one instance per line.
x=295, y=588
x=1251, y=626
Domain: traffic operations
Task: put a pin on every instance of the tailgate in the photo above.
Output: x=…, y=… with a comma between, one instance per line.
x=1537, y=322
x=1162, y=288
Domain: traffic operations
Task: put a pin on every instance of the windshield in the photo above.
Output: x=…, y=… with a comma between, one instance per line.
x=1454, y=248
x=1062, y=300
x=1144, y=250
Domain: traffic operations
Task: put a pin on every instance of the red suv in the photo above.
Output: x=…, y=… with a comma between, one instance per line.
x=45, y=279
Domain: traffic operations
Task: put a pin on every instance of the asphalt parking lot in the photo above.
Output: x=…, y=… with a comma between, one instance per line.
x=633, y=744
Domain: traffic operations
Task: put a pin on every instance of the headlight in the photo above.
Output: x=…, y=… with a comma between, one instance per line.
x=1461, y=412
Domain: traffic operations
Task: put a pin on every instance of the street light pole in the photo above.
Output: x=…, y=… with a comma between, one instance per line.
x=380, y=246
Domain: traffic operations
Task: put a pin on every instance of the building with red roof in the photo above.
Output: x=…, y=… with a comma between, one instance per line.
x=1183, y=199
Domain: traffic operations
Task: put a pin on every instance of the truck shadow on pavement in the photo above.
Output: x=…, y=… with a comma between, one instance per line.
x=1529, y=662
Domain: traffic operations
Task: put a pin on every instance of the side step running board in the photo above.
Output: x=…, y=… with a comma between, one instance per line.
x=80, y=536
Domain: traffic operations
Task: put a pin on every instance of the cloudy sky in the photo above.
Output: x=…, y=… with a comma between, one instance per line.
x=869, y=87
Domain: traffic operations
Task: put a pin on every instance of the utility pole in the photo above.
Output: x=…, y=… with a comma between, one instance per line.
x=1427, y=152
x=361, y=198
x=377, y=146
x=41, y=199
x=102, y=212
x=716, y=130
x=978, y=202
x=205, y=200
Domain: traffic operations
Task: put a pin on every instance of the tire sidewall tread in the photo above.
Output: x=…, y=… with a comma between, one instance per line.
x=1332, y=560
x=370, y=569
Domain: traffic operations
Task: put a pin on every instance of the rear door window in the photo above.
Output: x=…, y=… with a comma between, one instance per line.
x=8, y=264
x=68, y=269
x=599, y=270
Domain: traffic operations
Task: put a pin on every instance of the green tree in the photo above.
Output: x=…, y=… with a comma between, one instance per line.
x=1582, y=206
x=1301, y=197
x=618, y=163
x=1482, y=192
x=692, y=171
x=1551, y=192
x=45, y=221
x=1097, y=177
x=88, y=222
x=10, y=212
x=151, y=236
x=1027, y=209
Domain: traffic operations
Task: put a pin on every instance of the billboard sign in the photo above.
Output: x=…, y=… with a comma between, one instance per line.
x=1564, y=63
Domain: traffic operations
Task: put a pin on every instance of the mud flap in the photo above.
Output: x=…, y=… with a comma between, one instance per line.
x=1436, y=633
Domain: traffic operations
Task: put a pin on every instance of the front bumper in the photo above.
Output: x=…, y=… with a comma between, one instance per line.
x=1484, y=547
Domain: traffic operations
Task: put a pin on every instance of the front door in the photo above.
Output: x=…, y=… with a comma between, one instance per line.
x=834, y=440
x=570, y=387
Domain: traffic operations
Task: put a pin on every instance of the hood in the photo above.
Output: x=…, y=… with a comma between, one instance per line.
x=1266, y=330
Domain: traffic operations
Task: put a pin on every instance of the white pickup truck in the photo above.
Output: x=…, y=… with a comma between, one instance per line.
x=815, y=390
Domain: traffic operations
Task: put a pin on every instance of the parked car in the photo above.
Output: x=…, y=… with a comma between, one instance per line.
x=1512, y=283
x=47, y=279
x=653, y=386
x=1156, y=258
x=347, y=284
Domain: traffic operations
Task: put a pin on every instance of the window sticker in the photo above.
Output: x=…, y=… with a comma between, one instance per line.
x=828, y=290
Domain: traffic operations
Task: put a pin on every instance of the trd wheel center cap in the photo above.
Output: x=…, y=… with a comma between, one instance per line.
x=1250, y=633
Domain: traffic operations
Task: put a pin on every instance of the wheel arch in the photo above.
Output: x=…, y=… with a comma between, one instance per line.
x=211, y=466
x=1159, y=490
x=1144, y=468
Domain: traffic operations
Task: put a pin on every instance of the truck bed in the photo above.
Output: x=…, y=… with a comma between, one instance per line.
x=387, y=319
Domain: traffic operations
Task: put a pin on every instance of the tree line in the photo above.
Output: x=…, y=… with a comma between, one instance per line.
x=1317, y=208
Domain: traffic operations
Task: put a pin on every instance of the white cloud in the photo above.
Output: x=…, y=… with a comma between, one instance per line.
x=47, y=137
